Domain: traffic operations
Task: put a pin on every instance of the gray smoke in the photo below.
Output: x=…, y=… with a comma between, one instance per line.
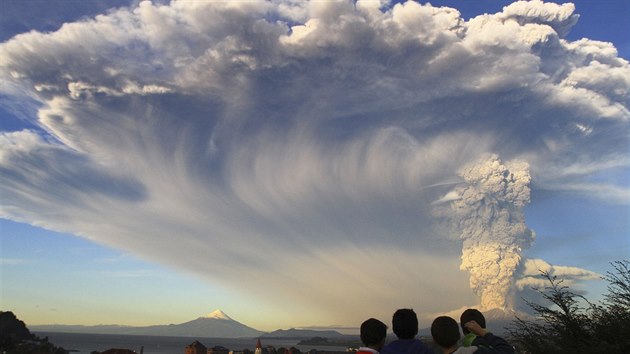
x=486, y=212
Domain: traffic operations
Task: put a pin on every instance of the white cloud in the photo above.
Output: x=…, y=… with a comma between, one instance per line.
x=532, y=268
x=560, y=17
x=268, y=145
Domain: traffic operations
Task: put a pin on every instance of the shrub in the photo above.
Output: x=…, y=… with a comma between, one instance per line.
x=567, y=327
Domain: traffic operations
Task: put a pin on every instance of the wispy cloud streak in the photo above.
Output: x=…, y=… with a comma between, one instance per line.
x=267, y=145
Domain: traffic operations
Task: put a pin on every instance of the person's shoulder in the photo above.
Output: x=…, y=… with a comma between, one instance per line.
x=479, y=341
x=364, y=350
x=488, y=339
x=406, y=346
x=391, y=344
x=389, y=348
x=421, y=347
x=494, y=344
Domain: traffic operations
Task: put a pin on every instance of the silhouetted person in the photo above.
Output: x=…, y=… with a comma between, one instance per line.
x=373, y=333
x=405, y=326
x=445, y=333
x=470, y=338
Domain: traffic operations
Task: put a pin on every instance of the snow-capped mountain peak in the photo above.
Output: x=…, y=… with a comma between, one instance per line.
x=218, y=314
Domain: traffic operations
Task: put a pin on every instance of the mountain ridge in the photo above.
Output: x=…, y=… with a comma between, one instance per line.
x=302, y=333
x=215, y=324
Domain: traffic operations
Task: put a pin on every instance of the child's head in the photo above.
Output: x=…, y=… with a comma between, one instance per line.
x=471, y=315
x=445, y=331
x=405, y=323
x=373, y=333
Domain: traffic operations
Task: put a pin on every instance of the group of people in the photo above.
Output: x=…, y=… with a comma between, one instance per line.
x=445, y=333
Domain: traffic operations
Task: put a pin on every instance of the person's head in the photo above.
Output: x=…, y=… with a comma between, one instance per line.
x=405, y=323
x=373, y=333
x=445, y=331
x=471, y=315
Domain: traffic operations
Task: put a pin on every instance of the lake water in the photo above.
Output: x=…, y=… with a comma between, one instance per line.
x=84, y=343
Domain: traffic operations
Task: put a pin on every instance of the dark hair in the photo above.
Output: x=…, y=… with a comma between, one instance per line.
x=405, y=323
x=471, y=315
x=373, y=331
x=445, y=331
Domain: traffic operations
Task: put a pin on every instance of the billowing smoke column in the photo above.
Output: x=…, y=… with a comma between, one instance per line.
x=487, y=212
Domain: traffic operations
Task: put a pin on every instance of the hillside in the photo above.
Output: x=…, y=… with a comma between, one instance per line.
x=215, y=324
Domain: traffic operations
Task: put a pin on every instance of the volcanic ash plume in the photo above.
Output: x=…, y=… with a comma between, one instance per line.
x=489, y=219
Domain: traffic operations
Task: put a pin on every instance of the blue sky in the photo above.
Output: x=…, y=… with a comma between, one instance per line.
x=161, y=161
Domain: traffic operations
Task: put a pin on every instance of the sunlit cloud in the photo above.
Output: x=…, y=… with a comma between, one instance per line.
x=534, y=268
x=300, y=150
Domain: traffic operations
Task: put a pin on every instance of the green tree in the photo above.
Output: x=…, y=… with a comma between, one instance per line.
x=571, y=324
x=611, y=319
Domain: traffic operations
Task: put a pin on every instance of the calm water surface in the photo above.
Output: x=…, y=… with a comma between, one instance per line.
x=83, y=343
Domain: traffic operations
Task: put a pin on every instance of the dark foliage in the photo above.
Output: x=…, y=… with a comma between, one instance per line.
x=15, y=338
x=11, y=328
x=574, y=325
x=611, y=320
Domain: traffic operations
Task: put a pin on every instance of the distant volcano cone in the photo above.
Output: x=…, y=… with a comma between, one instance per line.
x=499, y=319
x=219, y=315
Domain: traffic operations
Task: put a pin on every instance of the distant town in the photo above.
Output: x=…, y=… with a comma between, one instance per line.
x=198, y=348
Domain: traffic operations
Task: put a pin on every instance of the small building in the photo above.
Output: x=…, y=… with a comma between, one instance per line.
x=195, y=348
